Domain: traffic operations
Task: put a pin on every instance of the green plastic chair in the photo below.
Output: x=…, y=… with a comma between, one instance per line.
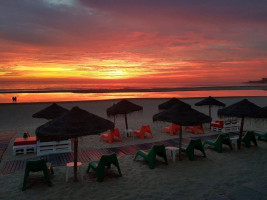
x=35, y=166
x=218, y=143
x=261, y=136
x=100, y=165
x=150, y=155
x=248, y=138
x=195, y=144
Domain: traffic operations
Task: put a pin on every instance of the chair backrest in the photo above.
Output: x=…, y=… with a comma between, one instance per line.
x=175, y=127
x=108, y=159
x=193, y=143
x=115, y=132
x=248, y=138
x=36, y=165
x=222, y=137
x=145, y=128
x=248, y=135
x=156, y=149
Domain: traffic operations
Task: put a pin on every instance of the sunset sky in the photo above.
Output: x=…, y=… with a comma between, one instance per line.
x=139, y=43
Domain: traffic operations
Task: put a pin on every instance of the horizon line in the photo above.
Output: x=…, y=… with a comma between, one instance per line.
x=124, y=90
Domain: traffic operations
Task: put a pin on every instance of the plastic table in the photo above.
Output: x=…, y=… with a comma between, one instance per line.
x=173, y=151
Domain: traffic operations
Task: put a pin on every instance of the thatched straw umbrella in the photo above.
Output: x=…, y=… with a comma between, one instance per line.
x=123, y=107
x=182, y=116
x=209, y=101
x=73, y=124
x=173, y=101
x=50, y=112
x=243, y=109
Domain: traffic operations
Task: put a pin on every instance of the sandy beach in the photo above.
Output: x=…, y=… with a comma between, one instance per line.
x=237, y=174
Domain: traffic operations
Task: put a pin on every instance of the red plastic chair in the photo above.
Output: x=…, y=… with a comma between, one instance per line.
x=144, y=129
x=171, y=129
x=109, y=137
x=195, y=129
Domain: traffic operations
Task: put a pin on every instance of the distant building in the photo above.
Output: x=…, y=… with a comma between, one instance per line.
x=263, y=80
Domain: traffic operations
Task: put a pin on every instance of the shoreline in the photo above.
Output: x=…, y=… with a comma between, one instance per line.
x=118, y=99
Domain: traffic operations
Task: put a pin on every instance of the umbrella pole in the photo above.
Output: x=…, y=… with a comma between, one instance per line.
x=126, y=123
x=241, y=132
x=180, y=142
x=75, y=158
x=210, y=114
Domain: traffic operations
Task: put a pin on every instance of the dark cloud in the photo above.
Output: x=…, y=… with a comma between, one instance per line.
x=91, y=22
x=38, y=22
x=194, y=10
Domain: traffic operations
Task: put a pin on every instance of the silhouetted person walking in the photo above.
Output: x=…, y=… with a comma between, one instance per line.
x=14, y=99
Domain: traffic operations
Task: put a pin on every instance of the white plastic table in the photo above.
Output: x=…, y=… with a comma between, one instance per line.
x=173, y=151
x=234, y=141
x=70, y=165
x=128, y=132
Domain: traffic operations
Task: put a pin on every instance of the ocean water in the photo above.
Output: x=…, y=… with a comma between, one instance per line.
x=24, y=97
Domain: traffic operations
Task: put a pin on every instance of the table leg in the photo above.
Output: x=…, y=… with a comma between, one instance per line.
x=173, y=155
x=81, y=172
x=67, y=174
x=235, y=143
x=170, y=153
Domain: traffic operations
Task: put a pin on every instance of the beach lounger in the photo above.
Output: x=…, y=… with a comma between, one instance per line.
x=195, y=129
x=100, y=166
x=248, y=138
x=109, y=137
x=144, y=129
x=36, y=166
x=219, y=141
x=171, y=129
x=150, y=155
x=261, y=136
x=191, y=147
